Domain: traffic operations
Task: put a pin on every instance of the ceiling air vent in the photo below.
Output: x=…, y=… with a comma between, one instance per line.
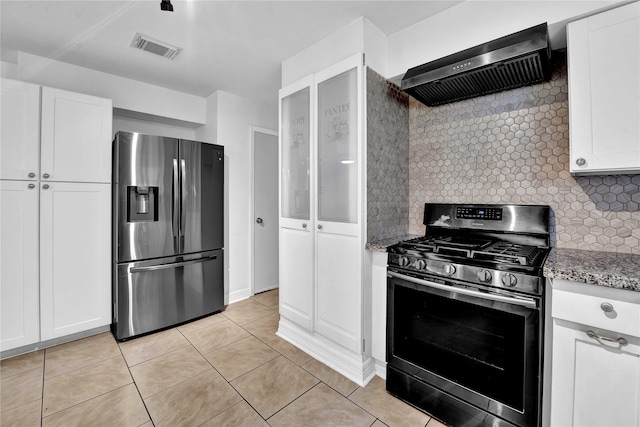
x=149, y=44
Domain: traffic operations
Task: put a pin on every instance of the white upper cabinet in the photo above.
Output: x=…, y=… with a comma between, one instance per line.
x=604, y=92
x=76, y=137
x=20, y=130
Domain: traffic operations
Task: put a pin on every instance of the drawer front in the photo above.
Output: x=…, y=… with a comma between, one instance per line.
x=590, y=307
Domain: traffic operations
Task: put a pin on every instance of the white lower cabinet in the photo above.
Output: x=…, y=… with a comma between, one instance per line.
x=596, y=356
x=296, y=276
x=55, y=260
x=75, y=244
x=339, y=296
x=19, y=287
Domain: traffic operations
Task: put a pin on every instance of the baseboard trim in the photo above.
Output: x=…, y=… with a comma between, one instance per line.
x=50, y=343
x=356, y=367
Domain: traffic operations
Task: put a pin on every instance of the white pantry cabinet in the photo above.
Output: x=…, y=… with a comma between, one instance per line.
x=604, y=92
x=322, y=295
x=596, y=356
x=75, y=258
x=19, y=287
x=56, y=204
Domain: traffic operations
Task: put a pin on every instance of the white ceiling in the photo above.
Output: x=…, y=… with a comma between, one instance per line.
x=235, y=46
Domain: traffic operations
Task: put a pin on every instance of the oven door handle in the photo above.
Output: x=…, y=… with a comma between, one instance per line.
x=525, y=302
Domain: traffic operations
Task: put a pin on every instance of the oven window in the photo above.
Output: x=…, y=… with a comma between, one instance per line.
x=478, y=347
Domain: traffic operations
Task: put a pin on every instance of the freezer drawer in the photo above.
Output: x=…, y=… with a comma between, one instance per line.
x=156, y=294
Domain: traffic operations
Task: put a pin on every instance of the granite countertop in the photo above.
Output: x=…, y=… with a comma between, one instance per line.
x=609, y=269
x=381, y=245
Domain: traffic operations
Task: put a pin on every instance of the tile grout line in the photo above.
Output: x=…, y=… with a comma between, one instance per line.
x=134, y=382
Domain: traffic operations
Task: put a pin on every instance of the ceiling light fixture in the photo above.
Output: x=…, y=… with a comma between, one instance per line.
x=166, y=5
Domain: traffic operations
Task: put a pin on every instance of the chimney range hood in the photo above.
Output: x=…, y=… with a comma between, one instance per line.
x=516, y=60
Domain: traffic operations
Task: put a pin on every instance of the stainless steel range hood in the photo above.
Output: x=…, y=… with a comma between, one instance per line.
x=519, y=59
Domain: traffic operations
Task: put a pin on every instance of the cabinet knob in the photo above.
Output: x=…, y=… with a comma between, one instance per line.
x=32, y=175
x=304, y=225
x=31, y=186
x=606, y=307
x=319, y=226
x=45, y=186
x=260, y=221
x=581, y=162
x=45, y=176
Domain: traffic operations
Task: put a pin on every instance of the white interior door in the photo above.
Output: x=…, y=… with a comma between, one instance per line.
x=265, y=208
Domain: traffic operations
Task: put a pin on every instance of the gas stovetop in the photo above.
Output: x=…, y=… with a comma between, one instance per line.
x=485, y=251
x=496, y=246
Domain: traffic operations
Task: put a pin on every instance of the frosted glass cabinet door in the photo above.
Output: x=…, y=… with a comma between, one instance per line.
x=338, y=148
x=295, y=152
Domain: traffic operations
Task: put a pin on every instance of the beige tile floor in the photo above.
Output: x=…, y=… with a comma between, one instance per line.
x=229, y=369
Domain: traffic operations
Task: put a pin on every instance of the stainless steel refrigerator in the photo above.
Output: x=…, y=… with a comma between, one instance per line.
x=168, y=232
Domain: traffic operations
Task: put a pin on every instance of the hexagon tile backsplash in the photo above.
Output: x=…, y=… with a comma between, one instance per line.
x=513, y=147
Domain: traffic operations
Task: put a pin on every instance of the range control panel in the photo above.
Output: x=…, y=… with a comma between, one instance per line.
x=486, y=213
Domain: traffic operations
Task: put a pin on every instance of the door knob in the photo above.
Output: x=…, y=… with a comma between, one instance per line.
x=259, y=221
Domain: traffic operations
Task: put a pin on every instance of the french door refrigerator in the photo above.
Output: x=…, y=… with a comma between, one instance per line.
x=168, y=232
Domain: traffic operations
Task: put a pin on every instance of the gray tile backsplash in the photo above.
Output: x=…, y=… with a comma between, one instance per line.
x=512, y=147
x=387, y=159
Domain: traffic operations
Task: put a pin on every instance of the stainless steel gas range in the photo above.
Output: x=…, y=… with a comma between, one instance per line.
x=465, y=314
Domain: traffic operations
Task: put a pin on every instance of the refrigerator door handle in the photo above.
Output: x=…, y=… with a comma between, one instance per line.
x=183, y=196
x=175, y=211
x=170, y=265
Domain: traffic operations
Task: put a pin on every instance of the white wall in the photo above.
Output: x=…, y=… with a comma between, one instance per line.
x=358, y=36
x=229, y=119
x=126, y=94
x=473, y=22
x=151, y=128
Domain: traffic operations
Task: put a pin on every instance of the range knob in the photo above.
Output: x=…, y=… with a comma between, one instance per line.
x=449, y=269
x=509, y=280
x=484, y=276
x=403, y=261
x=421, y=264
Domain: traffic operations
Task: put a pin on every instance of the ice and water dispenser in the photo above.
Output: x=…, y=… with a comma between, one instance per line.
x=142, y=203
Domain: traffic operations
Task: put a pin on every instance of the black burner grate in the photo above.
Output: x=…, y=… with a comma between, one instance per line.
x=509, y=253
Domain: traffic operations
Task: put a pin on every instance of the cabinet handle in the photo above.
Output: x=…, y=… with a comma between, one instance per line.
x=45, y=176
x=581, y=162
x=45, y=186
x=31, y=186
x=595, y=336
x=32, y=175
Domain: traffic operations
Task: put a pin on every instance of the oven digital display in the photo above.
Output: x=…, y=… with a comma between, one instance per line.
x=491, y=214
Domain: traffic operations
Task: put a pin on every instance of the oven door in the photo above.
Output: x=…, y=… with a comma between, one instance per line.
x=465, y=355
